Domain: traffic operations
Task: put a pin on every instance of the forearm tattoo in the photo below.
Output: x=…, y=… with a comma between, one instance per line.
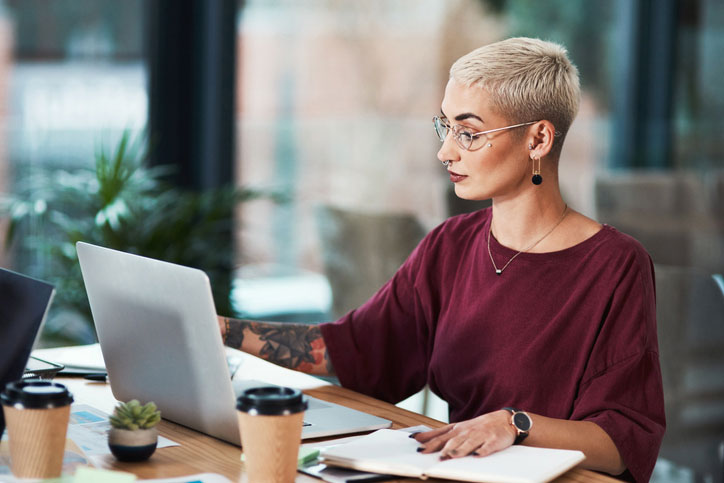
x=234, y=333
x=288, y=345
x=296, y=346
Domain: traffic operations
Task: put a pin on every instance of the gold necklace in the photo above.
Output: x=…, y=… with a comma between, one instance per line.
x=498, y=271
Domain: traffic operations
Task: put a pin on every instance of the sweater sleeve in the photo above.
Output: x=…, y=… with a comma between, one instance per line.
x=382, y=348
x=622, y=388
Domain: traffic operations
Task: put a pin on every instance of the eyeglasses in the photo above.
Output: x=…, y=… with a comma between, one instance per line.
x=464, y=137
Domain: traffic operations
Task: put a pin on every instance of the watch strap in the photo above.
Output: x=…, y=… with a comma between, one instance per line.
x=521, y=436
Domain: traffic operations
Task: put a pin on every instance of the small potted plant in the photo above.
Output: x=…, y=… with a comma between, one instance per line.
x=133, y=435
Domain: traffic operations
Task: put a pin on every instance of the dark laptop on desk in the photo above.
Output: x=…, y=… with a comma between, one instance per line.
x=24, y=303
x=158, y=331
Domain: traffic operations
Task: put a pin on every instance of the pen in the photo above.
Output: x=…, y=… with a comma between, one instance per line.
x=97, y=376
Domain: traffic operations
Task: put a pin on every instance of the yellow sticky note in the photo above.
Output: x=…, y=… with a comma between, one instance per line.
x=85, y=474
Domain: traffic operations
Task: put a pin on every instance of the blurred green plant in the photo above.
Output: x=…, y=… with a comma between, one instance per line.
x=132, y=415
x=124, y=205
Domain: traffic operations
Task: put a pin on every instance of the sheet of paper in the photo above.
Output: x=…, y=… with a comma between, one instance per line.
x=89, y=428
x=321, y=445
x=247, y=366
x=331, y=442
x=80, y=356
x=376, y=448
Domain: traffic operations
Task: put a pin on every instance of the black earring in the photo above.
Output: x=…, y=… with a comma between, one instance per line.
x=537, y=178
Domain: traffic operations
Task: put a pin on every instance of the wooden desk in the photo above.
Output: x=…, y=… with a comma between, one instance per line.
x=199, y=453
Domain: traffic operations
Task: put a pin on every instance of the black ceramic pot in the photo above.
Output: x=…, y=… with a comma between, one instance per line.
x=132, y=445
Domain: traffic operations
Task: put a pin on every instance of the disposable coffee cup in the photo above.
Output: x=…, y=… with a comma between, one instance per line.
x=270, y=422
x=36, y=415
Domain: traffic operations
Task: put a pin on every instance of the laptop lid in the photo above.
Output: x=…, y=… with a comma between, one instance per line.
x=24, y=304
x=158, y=332
x=159, y=335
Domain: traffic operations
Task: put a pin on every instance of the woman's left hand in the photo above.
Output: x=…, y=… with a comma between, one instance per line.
x=480, y=436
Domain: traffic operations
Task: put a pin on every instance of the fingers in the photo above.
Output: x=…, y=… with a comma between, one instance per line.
x=490, y=447
x=484, y=450
x=459, y=446
x=434, y=440
x=433, y=445
x=425, y=436
x=481, y=436
x=468, y=444
x=451, y=441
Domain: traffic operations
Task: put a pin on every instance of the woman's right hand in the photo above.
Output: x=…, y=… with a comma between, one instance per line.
x=480, y=436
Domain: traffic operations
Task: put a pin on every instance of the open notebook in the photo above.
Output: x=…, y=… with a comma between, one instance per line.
x=393, y=452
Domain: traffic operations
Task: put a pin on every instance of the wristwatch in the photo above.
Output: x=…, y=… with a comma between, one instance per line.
x=521, y=422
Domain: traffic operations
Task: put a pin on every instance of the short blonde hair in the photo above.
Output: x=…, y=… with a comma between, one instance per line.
x=528, y=80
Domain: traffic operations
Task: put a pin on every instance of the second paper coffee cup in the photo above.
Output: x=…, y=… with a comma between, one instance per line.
x=270, y=422
x=36, y=415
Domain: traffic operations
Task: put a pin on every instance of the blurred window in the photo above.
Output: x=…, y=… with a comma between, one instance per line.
x=698, y=100
x=72, y=79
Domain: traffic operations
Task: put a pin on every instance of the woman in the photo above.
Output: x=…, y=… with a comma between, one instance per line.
x=535, y=323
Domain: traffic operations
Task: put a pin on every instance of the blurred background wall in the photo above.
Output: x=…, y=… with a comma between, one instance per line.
x=317, y=113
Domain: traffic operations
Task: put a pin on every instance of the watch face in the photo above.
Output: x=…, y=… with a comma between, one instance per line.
x=522, y=421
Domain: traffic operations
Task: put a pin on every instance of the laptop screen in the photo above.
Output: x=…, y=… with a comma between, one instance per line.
x=24, y=301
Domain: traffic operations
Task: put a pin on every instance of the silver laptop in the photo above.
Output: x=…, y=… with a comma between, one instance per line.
x=158, y=331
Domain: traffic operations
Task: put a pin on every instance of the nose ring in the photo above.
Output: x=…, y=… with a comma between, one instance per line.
x=446, y=163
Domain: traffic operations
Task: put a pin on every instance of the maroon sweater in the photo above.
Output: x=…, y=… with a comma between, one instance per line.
x=568, y=334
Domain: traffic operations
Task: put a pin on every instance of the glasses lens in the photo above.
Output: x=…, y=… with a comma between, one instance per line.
x=440, y=128
x=464, y=138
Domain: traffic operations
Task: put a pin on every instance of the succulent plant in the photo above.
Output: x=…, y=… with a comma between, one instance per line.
x=132, y=415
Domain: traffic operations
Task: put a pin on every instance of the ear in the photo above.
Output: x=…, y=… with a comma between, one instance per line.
x=540, y=138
